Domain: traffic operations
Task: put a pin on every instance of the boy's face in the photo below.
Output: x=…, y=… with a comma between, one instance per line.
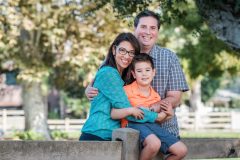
x=143, y=73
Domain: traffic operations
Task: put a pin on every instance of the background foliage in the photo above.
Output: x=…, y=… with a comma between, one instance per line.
x=65, y=41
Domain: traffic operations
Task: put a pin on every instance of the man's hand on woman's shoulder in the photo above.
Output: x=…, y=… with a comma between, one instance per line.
x=90, y=91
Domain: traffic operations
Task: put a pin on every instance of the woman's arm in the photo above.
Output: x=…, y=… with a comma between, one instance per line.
x=161, y=117
x=131, y=111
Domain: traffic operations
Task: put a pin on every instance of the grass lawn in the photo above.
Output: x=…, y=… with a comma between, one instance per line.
x=209, y=134
x=220, y=159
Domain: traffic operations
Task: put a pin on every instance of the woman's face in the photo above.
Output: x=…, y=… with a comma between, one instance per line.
x=123, y=54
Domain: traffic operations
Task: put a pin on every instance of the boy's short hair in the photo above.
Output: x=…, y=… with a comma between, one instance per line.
x=142, y=57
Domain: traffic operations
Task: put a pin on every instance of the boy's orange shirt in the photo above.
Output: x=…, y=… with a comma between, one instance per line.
x=137, y=99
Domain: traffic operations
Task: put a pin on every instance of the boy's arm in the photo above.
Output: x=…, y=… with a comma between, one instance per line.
x=149, y=116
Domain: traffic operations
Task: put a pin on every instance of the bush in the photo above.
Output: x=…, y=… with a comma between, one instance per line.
x=55, y=135
x=61, y=135
x=77, y=108
x=235, y=103
x=28, y=135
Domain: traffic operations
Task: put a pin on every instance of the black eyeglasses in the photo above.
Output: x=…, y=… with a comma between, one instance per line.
x=123, y=51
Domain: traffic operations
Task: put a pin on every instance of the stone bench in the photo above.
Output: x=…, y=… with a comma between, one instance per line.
x=125, y=146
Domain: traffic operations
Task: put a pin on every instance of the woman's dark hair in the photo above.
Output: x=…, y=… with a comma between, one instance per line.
x=142, y=57
x=110, y=59
x=147, y=13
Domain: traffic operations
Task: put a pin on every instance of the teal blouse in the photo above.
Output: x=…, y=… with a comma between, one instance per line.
x=110, y=95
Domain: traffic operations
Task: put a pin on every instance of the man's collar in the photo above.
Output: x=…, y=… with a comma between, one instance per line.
x=152, y=50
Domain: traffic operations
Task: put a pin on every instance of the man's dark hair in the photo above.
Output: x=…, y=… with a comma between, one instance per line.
x=147, y=13
x=142, y=57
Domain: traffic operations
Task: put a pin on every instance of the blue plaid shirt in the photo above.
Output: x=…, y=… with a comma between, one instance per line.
x=111, y=95
x=169, y=77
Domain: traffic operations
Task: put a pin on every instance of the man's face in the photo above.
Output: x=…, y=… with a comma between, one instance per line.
x=146, y=31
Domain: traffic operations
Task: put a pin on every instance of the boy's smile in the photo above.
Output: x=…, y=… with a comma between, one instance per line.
x=143, y=73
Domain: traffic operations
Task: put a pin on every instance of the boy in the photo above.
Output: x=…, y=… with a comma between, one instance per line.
x=140, y=93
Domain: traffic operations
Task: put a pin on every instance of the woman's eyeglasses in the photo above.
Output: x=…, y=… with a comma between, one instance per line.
x=123, y=51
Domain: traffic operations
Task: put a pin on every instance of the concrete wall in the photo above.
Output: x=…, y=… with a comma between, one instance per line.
x=201, y=148
x=213, y=147
x=124, y=147
x=60, y=150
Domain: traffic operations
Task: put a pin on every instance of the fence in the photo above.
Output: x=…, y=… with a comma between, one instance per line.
x=187, y=121
x=206, y=121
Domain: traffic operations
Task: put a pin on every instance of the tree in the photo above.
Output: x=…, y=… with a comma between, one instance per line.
x=202, y=53
x=59, y=38
x=222, y=16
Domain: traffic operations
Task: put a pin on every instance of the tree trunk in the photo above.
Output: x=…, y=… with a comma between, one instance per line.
x=222, y=20
x=195, y=97
x=35, y=109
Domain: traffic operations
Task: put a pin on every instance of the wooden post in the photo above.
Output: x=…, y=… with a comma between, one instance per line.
x=196, y=121
x=4, y=119
x=67, y=124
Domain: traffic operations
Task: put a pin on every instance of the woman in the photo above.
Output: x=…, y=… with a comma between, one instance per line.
x=109, y=81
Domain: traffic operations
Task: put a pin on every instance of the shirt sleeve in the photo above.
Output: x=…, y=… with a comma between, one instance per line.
x=176, y=79
x=110, y=84
x=149, y=116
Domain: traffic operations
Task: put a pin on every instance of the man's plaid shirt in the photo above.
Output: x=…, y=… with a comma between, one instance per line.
x=169, y=77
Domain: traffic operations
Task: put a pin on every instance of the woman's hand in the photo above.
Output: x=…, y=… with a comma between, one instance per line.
x=91, y=92
x=155, y=107
x=137, y=113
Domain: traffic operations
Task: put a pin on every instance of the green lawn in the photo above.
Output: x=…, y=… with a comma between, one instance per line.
x=220, y=159
x=212, y=134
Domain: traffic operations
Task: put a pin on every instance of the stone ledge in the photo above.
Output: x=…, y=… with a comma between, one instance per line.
x=60, y=150
x=126, y=147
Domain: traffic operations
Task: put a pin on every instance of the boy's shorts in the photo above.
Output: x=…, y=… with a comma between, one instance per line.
x=145, y=129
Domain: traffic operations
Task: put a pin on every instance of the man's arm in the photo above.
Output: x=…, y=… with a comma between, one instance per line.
x=176, y=82
x=172, y=100
x=90, y=91
x=173, y=97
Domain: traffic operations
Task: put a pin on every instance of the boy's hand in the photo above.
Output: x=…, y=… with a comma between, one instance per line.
x=137, y=113
x=91, y=92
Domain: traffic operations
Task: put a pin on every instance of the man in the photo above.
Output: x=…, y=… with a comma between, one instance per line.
x=169, y=81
